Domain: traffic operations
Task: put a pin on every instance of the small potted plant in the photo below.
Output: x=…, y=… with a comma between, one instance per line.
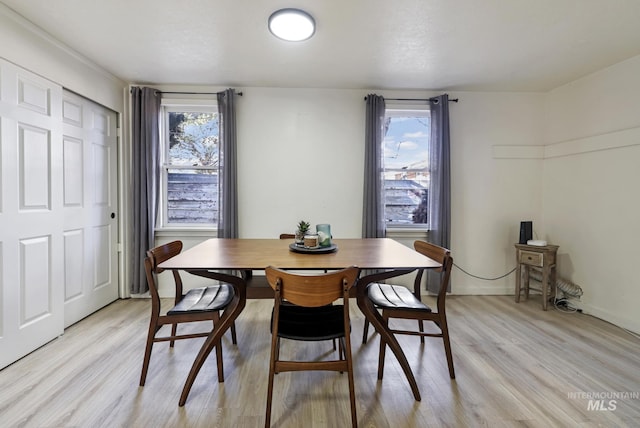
x=303, y=228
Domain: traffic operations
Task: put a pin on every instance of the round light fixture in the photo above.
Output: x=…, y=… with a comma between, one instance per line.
x=293, y=25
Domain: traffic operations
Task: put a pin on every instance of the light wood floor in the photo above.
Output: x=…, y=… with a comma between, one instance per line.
x=515, y=366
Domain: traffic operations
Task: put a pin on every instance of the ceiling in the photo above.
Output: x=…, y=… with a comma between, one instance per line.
x=488, y=45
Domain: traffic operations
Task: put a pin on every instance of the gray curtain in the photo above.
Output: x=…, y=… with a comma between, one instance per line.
x=373, y=206
x=145, y=115
x=228, y=175
x=440, y=181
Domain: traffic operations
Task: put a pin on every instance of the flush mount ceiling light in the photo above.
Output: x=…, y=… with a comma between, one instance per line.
x=293, y=25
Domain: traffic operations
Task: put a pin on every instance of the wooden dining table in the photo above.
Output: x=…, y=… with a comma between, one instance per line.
x=377, y=258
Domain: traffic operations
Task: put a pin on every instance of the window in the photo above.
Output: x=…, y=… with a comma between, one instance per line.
x=190, y=140
x=406, y=167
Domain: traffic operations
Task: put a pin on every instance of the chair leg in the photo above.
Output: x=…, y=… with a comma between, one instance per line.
x=383, y=346
x=341, y=347
x=174, y=331
x=219, y=351
x=277, y=352
x=421, y=329
x=447, y=347
x=234, y=338
x=365, y=331
x=352, y=391
x=275, y=355
x=267, y=417
x=153, y=329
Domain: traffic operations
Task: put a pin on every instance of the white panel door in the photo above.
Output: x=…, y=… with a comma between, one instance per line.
x=31, y=213
x=90, y=198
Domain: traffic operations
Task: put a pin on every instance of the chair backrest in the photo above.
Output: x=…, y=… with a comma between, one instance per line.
x=155, y=256
x=442, y=256
x=312, y=290
x=287, y=236
x=432, y=251
x=162, y=253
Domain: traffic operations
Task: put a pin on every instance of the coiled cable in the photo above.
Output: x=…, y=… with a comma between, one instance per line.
x=568, y=288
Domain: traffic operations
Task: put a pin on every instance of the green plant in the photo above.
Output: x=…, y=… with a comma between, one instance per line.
x=303, y=227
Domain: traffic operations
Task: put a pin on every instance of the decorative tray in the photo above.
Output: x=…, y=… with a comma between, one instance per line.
x=318, y=250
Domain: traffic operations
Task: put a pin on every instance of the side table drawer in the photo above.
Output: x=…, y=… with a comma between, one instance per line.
x=532, y=259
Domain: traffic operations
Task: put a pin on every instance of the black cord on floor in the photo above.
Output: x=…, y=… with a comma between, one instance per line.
x=485, y=279
x=560, y=304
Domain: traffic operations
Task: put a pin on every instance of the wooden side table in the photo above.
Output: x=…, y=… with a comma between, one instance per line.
x=543, y=258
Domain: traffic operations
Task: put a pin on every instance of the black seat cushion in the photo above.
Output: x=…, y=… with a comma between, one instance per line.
x=204, y=299
x=300, y=323
x=394, y=297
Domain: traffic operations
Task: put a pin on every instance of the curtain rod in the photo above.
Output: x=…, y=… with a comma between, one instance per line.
x=452, y=100
x=190, y=93
x=195, y=93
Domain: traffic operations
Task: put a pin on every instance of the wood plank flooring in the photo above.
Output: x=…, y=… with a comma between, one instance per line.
x=515, y=366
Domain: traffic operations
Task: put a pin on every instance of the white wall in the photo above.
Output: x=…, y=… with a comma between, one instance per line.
x=493, y=189
x=301, y=156
x=591, y=175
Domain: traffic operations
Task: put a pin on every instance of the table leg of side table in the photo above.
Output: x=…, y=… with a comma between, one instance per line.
x=545, y=288
x=518, y=281
x=552, y=281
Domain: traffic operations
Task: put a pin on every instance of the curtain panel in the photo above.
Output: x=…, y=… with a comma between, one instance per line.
x=373, y=205
x=440, y=181
x=228, y=175
x=145, y=116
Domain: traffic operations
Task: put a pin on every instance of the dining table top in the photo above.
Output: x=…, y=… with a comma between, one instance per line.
x=256, y=254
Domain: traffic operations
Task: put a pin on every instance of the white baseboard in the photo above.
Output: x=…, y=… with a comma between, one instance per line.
x=488, y=290
x=612, y=317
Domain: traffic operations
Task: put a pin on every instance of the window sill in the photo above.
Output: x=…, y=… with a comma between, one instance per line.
x=407, y=232
x=186, y=232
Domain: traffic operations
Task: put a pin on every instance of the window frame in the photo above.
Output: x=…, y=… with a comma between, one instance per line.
x=402, y=110
x=169, y=105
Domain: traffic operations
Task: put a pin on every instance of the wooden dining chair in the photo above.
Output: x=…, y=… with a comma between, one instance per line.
x=198, y=304
x=396, y=301
x=303, y=311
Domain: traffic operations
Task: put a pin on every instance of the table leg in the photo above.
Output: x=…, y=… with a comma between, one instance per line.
x=545, y=287
x=552, y=281
x=229, y=315
x=374, y=317
x=518, y=281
